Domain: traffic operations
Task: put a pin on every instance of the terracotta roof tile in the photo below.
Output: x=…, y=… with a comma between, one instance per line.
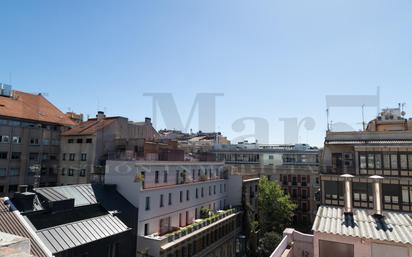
x=89, y=127
x=32, y=107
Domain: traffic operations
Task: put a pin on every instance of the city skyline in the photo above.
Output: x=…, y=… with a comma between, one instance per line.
x=272, y=60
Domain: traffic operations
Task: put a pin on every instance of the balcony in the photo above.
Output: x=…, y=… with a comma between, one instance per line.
x=337, y=171
x=200, y=225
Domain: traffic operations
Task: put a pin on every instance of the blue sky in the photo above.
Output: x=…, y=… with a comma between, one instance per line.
x=270, y=59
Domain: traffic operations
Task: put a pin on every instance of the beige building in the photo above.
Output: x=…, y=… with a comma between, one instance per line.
x=86, y=147
x=383, y=149
x=30, y=128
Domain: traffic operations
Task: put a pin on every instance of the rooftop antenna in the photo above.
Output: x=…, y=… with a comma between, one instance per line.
x=363, y=117
x=327, y=119
x=403, y=113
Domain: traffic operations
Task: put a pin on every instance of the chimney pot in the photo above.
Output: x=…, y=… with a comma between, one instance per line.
x=100, y=115
x=348, y=193
x=377, y=195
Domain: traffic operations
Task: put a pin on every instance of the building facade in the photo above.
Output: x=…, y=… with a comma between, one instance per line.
x=30, y=129
x=383, y=149
x=185, y=208
x=294, y=167
x=86, y=147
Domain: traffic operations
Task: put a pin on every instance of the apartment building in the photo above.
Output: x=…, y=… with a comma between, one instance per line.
x=30, y=129
x=366, y=194
x=185, y=208
x=295, y=167
x=86, y=147
x=383, y=149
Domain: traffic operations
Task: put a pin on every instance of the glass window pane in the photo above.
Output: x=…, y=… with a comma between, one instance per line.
x=394, y=161
x=404, y=161
x=362, y=161
x=405, y=194
x=371, y=161
x=378, y=161
x=386, y=161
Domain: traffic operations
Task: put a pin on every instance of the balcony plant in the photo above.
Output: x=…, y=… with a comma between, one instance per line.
x=139, y=178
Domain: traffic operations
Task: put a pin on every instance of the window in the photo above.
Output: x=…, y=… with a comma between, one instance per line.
x=45, y=142
x=403, y=161
x=15, y=155
x=45, y=156
x=89, y=140
x=333, y=192
x=4, y=139
x=386, y=161
x=63, y=172
x=181, y=196
x=3, y=172
x=147, y=206
x=391, y=195
x=294, y=181
x=303, y=181
x=146, y=229
x=394, y=161
x=371, y=161
x=14, y=172
x=34, y=141
x=71, y=172
x=156, y=176
x=202, y=192
x=187, y=195
x=161, y=201
x=224, y=187
x=165, y=176
x=16, y=140
x=72, y=156
x=3, y=155
x=82, y=173
x=362, y=195
x=70, y=141
x=79, y=141
x=214, y=189
x=170, y=199
x=197, y=193
x=210, y=190
x=220, y=188
x=362, y=161
x=83, y=156
x=63, y=156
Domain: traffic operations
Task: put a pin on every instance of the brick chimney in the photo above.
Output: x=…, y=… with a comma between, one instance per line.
x=100, y=115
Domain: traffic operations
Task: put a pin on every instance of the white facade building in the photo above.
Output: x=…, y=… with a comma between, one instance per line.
x=170, y=197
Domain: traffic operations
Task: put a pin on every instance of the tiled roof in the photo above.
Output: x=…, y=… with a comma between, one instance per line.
x=394, y=227
x=11, y=224
x=32, y=107
x=82, y=194
x=66, y=236
x=89, y=127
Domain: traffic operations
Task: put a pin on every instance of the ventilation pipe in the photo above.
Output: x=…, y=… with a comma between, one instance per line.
x=348, y=193
x=377, y=195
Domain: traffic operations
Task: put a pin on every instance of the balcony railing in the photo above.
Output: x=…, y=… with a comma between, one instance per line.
x=335, y=170
x=189, y=229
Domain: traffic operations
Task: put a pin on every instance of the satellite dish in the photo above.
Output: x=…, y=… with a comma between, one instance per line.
x=403, y=113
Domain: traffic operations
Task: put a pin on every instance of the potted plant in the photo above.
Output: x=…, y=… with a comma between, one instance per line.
x=170, y=237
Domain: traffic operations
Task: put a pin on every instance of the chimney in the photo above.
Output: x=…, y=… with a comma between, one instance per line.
x=23, y=188
x=377, y=195
x=348, y=193
x=100, y=115
x=148, y=121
